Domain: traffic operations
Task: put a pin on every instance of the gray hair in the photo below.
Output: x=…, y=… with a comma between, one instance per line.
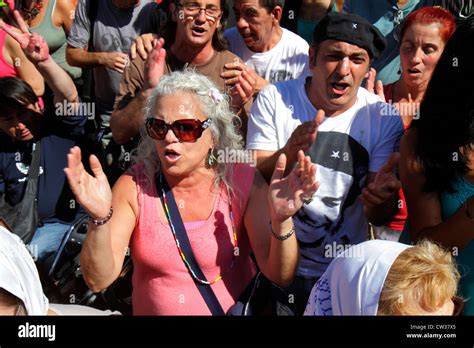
x=224, y=125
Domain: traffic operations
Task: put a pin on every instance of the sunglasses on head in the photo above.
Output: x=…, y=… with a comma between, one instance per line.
x=185, y=130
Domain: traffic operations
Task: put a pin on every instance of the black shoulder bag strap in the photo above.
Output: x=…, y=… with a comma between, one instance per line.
x=206, y=291
x=27, y=218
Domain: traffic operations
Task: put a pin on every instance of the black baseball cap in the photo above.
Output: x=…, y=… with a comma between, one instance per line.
x=353, y=29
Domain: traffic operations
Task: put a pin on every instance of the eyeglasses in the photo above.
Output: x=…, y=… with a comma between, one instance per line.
x=194, y=9
x=186, y=130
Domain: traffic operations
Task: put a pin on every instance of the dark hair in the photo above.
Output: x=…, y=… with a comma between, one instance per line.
x=271, y=4
x=15, y=93
x=6, y=14
x=219, y=43
x=446, y=121
x=9, y=300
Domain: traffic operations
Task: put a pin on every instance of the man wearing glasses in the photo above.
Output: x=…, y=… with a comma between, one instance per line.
x=191, y=38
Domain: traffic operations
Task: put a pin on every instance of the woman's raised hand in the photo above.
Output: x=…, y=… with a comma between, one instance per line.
x=288, y=194
x=92, y=192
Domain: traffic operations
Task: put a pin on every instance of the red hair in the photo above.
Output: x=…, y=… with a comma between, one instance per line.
x=429, y=15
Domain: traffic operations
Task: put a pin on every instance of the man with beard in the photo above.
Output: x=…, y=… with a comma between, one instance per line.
x=349, y=139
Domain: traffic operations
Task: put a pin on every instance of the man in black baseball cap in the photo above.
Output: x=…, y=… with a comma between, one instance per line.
x=348, y=134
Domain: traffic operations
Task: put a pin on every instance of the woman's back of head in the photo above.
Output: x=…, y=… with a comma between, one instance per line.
x=446, y=120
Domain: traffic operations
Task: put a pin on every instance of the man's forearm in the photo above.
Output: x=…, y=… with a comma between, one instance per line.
x=126, y=122
x=84, y=59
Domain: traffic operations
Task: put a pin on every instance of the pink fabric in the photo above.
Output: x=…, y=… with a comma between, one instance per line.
x=6, y=69
x=162, y=284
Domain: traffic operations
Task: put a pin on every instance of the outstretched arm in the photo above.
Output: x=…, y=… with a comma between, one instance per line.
x=103, y=252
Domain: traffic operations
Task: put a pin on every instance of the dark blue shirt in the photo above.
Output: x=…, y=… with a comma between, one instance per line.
x=56, y=203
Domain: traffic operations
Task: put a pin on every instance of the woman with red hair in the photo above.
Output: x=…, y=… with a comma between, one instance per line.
x=423, y=36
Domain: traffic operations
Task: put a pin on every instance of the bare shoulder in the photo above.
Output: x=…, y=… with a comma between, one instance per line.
x=125, y=191
x=64, y=12
x=66, y=6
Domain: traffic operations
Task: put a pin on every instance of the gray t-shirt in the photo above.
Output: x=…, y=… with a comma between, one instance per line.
x=114, y=31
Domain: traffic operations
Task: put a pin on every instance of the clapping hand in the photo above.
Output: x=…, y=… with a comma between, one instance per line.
x=287, y=195
x=92, y=192
x=303, y=137
x=374, y=87
x=155, y=65
x=384, y=185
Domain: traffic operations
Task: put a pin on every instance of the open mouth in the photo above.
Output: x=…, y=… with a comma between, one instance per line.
x=171, y=155
x=414, y=71
x=247, y=37
x=340, y=87
x=198, y=30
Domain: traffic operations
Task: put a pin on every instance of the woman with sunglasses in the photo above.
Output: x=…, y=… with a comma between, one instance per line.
x=226, y=208
x=437, y=159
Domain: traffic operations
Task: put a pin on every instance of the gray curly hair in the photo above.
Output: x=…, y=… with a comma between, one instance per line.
x=224, y=125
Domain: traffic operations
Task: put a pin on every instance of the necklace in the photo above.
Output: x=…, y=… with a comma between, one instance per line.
x=29, y=15
x=180, y=251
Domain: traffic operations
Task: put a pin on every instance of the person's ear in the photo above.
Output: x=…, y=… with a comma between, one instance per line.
x=366, y=76
x=277, y=13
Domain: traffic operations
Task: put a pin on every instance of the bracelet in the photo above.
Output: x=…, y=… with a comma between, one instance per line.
x=284, y=237
x=466, y=211
x=100, y=222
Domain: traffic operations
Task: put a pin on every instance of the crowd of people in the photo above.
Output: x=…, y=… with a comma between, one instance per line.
x=324, y=146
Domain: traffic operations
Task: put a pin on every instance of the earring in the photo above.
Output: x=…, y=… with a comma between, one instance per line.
x=211, y=160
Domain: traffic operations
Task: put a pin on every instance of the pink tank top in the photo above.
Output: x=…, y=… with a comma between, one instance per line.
x=161, y=282
x=6, y=69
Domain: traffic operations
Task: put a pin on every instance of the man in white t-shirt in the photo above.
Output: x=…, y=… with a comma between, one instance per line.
x=351, y=142
x=274, y=53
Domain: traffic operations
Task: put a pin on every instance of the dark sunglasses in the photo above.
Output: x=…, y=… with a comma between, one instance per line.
x=185, y=130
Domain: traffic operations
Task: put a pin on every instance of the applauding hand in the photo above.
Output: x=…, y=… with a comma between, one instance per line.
x=287, y=195
x=92, y=192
